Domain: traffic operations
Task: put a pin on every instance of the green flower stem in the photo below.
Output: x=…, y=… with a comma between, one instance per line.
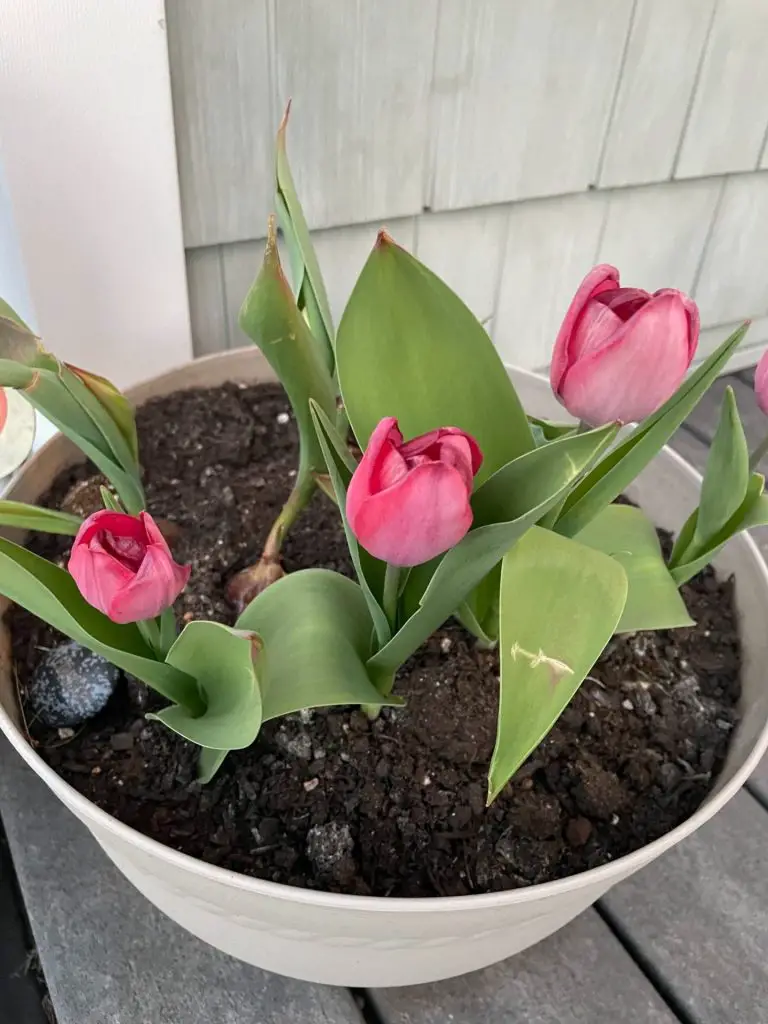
x=249, y=583
x=758, y=453
x=297, y=501
x=150, y=630
x=391, y=593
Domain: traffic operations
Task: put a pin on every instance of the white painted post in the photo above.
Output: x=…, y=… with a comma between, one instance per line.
x=87, y=144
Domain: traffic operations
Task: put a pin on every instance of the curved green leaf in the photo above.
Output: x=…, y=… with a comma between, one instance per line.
x=31, y=517
x=271, y=319
x=308, y=281
x=560, y=604
x=223, y=660
x=687, y=561
x=110, y=409
x=51, y=594
x=316, y=631
x=653, y=600
x=726, y=475
x=407, y=346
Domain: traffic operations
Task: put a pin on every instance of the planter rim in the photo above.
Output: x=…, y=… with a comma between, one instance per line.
x=606, y=873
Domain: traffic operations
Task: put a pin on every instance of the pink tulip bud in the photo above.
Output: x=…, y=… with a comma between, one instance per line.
x=761, y=382
x=407, y=503
x=621, y=352
x=123, y=566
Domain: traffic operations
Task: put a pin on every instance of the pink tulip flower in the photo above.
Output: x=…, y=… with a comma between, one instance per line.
x=407, y=503
x=621, y=352
x=123, y=566
x=761, y=382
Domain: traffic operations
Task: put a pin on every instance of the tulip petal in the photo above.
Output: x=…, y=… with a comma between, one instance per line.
x=624, y=302
x=455, y=452
x=118, y=523
x=692, y=312
x=364, y=479
x=641, y=368
x=761, y=382
x=98, y=576
x=421, y=517
x=599, y=279
x=154, y=588
x=474, y=448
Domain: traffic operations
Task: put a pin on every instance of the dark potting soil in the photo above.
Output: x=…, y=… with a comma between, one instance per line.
x=394, y=807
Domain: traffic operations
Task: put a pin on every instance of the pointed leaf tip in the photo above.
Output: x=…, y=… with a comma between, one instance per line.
x=384, y=238
x=284, y=119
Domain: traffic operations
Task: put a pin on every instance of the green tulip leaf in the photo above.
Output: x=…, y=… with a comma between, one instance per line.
x=545, y=430
x=316, y=630
x=7, y=312
x=224, y=661
x=521, y=492
x=726, y=475
x=208, y=763
x=309, y=286
x=619, y=468
x=407, y=346
x=17, y=342
x=369, y=570
x=753, y=511
x=45, y=389
x=560, y=604
x=653, y=600
x=110, y=410
x=51, y=594
x=44, y=520
x=271, y=319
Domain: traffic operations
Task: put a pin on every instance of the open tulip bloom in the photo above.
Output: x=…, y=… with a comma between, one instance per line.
x=453, y=501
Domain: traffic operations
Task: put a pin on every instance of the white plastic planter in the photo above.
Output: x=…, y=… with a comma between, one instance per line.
x=362, y=941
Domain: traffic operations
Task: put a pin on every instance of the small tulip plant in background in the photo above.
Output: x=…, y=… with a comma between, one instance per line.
x=453, y=501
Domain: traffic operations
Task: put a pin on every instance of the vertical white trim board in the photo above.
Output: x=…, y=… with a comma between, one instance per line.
x=88, y=148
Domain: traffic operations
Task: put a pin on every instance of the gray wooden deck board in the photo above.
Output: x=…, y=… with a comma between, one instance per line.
x=699, y=917
x=108, y=956
x=581, y=975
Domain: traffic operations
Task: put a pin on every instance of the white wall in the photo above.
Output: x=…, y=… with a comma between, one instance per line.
x=87, y=143
x=510, y=143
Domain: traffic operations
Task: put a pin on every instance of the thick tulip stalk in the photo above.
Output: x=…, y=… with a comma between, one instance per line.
x=622, y=352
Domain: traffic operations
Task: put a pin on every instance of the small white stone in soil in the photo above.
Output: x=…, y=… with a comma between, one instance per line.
x=318, y=753
x=446, y=644
x=311, y=784
x=299, y=745
x=344, y=757
x=614, y=819
x=328, y=844
x=283, y=418
x=426, y=781
x=66, y=733
x=306, y=715
x=628, y=705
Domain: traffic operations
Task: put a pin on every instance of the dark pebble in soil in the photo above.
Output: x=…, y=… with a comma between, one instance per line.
x=70, y=685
